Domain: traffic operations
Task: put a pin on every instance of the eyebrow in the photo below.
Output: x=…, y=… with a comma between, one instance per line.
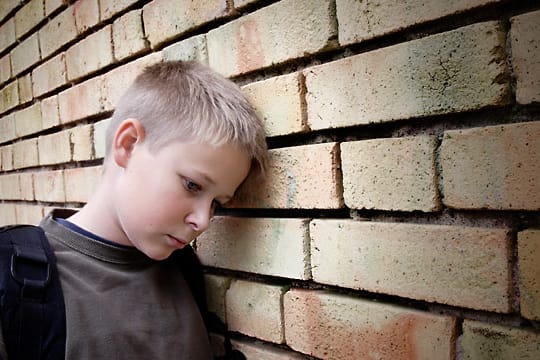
x=212, y=182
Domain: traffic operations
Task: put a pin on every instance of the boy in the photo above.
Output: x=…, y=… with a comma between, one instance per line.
x=181, y=141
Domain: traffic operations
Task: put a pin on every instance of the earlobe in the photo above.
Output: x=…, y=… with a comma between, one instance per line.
x=129, y=133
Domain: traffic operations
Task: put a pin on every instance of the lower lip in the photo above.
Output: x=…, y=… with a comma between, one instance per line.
x=177, y=243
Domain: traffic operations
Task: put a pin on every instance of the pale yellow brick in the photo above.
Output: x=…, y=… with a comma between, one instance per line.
x=459, y=70
x=25, y=54
x=259, y=350
x=49, y=186
x=26, y=179
x=82, y=143
x=128, y=35
x=90, y=54
x=254, y=309
x=25, y=154
x=279, y=102
x=5, y=68
x=529, y=273
x=192, y=49
x=275, y=246
x=49, y=112
x=10, y=188
x=298, y=177
x=390, y=174
x=216, y=287
x=80, y=183
x=460, y=266
x=6, y=6
x=53, y=5
x=9, y=96
x=7, y=213
x=7, y=128
x=332, y=326
x=81, y=100
x=28, y=17
x=50, y=75
x=57, y=32
x=86, y=14
x=29, y=214
x=28, y=120
x=25, y=89
x=55, y=148
x=98, y=137
x=109, y=8
x=6, y=152
x=7, y=33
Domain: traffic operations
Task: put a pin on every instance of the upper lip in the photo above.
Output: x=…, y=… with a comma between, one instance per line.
x=181, y=240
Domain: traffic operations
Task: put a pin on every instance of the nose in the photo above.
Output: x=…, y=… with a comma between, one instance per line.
x=199, y=218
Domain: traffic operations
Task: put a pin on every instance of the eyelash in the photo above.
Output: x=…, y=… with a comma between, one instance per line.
x=193, y=187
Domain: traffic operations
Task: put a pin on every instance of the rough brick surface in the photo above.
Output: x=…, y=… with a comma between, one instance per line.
x=298, y=177
x=255, y=309
x=483, y=341
x=462, y=266
x=362, y=20
x=25, y=89
x=10, y=188
x=529, y=273
x=5, y=68
x=459, y=70
x=57, y=32
x=25, y=54
x=7, y=33
x=6, y=6
x=192, y=49
x=128, y=35
x=279, y=103
x=216, y=287
x=9, y=96
x=25, y=154
x=86, y=13
x=7, y=128
x=6, y=160
x=28, y=214
x=7, y=214
x=261, y=351
x=100, y=129
x=390, y=174
x=80, y=183
x=283, y=31
x=265, y=246
x=50, y=75
x=109, y=8
x=525, y=35
x=90, y=54
x=49, y=112
x=28, y=120
x=49, y=186
x=163, y=22
x=332, y=326
x=494, y=167
x=52, y=5
x=81, y=101
x=82, y=143
x=26, y=180
x=29, y=16
x=54, y=148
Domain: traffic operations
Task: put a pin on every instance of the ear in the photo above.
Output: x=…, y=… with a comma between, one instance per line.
x=129, y=133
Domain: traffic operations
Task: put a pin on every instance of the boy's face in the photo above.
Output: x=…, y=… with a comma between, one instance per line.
x=165, y=199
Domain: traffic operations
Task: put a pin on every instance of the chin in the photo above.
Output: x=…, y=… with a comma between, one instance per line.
x=157, y=255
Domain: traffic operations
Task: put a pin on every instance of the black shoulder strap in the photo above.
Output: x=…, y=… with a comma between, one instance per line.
x=32, y=303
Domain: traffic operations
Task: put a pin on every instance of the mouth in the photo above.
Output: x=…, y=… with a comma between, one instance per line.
x=176, y=242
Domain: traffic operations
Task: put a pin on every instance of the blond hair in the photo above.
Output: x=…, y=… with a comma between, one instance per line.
x=188, y=101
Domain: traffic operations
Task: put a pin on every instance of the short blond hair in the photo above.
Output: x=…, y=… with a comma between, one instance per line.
x=188, y=101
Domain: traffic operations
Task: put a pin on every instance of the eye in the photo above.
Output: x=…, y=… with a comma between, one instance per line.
x=191, y=186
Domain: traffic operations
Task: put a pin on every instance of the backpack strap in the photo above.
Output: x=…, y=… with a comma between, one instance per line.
x=32, y=304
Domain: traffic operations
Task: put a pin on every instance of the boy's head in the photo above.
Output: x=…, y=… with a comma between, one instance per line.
x=189, y=102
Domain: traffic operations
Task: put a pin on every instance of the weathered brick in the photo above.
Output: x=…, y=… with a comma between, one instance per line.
x=25, y=154
x=9, y=96
x=279, y=102
x=25, y=89
x=49, y=186
x=28, y=17
x=6, y=153
x=258, y=350
x=54, y=148
x=216, y=287
x=163, y=22
x=80, y=183
x=57, y=32
x=390, y=174
x=254, y=309
x=91, y=54
x=128, y=35
x=81, y=101
x=6, y=6
x=82, y=143
x=529, y=273
x=459, y=70
x=25, y=54
x=28, y=214
x=7, y=33
x=7, y=213
x=5, y=68
x=298, y=177
x=483, y=341
x=109, y=8
x=10, y=188
x=283, y=31
x=525, y=37
x=192, y=49
x=53, y=5
x=26, y=181
x=86, y=13
x=28, y=120
x=493, y=167
x=49, y=112
x=50, y=75
x=98, y=136
x=7, y=128
x=462, y=266
x=275, y=246
x=359, y=20
x=332, y=326
x=241, y=3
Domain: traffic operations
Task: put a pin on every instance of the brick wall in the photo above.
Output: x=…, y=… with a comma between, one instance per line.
x=400, y=216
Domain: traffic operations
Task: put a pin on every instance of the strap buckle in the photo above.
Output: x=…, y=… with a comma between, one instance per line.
x=32, y=270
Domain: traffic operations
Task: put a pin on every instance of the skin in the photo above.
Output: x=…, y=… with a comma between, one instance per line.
x=159, y=201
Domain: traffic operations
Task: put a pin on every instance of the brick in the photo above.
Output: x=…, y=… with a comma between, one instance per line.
x=82, y=143
x=298, y=177
x=90, y=54
x=254, y=309
x=52, y=5
x=109, y=8
x=6, y=153
x=279, y=103
x=258, y=350
x=98, y=136
x=58, y=32
x=241, y=3
x=359, y=21
x=26, y=181
x=283, y=31
x=49, y=186
x=461, y=266
x=49, y=112
x=5, y=68
x=86, y=13
x=25, y=54
x=25, y=89
x=525, y=40
x=28, y=120
x=7, y=213
x=459, y=70
x=275, y=246
x=493, y=167
x=7, y=6
x=332, y=326
x=529, y=273
x=9, y=96
x=80, y=183
x=128, y=35
x=390, y=174
x=54, y=148
x=10, y=188
x=7, y=34
x=7, y=128
x=81, y=101
x=216, y=287
x=28, y=214
x=163, y=22
x=50, y=75
x=192, y=49
x=28, y=17
x=489, y=341
x=25, y=154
